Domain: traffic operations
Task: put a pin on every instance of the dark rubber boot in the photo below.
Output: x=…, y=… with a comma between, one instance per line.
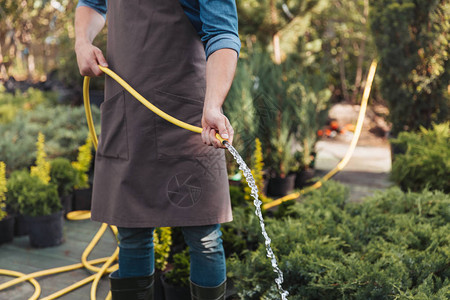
x=133, y=288
x=208, y=293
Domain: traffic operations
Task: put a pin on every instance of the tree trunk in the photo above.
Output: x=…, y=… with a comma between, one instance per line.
x=343, y=77
x=275, y=36
x=358, y=77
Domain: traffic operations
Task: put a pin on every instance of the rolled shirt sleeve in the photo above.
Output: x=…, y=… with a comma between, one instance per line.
x=219, y=25
x=98, y=5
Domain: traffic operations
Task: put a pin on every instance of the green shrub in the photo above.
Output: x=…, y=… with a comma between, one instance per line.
x=412, y=40
x=242, y=234
x=162, y=238
x=180, y=274
x=63, y=175
x=30, y=196
x=425, y=162
x=12, y=104
x=83, y=164
x=3, y=191
x=64, y=127
x=395, y=245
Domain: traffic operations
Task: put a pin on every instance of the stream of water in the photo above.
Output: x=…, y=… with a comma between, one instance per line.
x=254, y=193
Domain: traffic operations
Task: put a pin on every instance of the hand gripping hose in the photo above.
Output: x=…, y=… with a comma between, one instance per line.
x=140, y=98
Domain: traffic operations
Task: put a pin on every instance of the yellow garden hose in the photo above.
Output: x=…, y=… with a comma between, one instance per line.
x=81, y=215
x=138, y=97
x=348, y=155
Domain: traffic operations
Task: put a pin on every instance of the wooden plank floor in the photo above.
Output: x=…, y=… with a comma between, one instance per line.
x=20, y=256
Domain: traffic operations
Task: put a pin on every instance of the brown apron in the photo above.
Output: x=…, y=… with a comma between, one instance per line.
x=148, y=172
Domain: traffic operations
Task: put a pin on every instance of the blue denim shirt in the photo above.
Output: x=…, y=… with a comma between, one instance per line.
x=215, y=21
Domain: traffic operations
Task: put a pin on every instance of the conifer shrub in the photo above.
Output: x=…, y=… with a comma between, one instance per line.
x=425, y=162
x=162, y=238
x=394, y=245
x=83, y=164
x=64, y=127
x=179, y=275
x=63, y=175
x=30, y=196
x=412, y=37
x=3, y=191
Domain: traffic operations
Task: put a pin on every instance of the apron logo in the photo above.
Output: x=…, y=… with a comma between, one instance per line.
x=184, y=190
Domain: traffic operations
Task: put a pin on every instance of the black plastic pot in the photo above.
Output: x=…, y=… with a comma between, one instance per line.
x=7, y=229
x=67, y=203
x=279, y=187
x=172, y=292
x=82, y=199
x=304, y=177
x=20, y=226
x=159, y=291
x=46, y=231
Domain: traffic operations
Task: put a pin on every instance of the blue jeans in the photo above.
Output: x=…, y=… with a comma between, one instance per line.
x=208, y=269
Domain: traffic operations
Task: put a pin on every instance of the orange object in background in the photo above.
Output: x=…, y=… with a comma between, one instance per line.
x=350, y=127
x=334, y=125
x=320, y=132
x=327, y=132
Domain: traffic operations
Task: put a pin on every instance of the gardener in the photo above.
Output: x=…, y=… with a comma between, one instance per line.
x=148, y=172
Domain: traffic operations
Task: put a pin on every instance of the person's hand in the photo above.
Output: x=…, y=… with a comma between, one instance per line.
x=88, y=58
x=214, y=121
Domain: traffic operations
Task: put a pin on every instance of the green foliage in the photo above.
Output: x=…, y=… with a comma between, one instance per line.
x=257, y=167
x=30, y=196
x=237, y=196
x=42, y=167
x=63, y=175
x=162, y=238
x=11, y=104
x=83, y=163
x=3, y=191
x=412, y=39
x=243, y=234
x=425, y=163
x=392, y=245
x=63, y=126
x=180, y=274
x=280, y=104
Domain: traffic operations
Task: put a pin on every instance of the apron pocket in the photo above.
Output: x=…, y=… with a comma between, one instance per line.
x=173, y=141
x=113, y=141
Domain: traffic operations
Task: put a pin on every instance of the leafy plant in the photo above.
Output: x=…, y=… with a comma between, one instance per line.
x=42, y=167
x=64, y=128
x=179, y=275
x=63, y=175
x=12, y=103
x=391, y=245
x=30, y=196
x=162, y=239
x=425, y=163
x=258, y=174
x=412, y=40
x=3, y=191
x=243, y=234
x=83, y=163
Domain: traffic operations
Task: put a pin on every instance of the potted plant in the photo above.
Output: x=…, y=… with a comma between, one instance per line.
x=37, y=200
x=83, y=191
x=284, y=164
x=175, y=280
x=15, y=184
x=63, y=175
x=259, y=174
x=6, y=220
